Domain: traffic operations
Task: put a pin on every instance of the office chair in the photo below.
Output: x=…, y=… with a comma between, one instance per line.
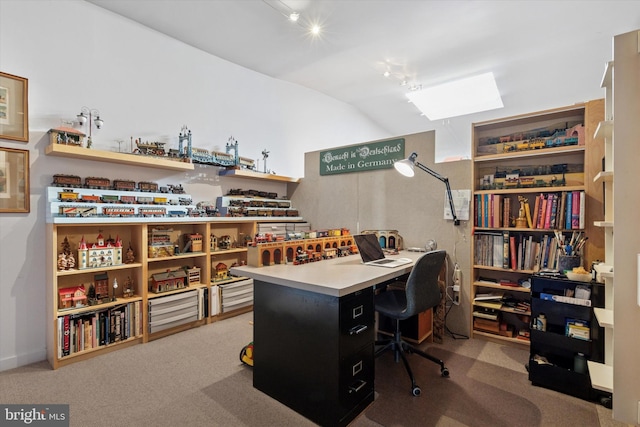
x=421, y=293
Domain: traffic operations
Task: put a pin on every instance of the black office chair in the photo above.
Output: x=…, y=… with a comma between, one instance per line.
x=421, y=293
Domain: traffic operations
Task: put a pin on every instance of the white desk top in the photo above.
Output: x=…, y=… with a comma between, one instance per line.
x=336, y=277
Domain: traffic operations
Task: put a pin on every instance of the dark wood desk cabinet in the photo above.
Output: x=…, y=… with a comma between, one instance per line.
x=559, y=350
x=314, y=352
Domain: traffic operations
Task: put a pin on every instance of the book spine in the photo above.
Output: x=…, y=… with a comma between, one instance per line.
x=505, y=249
x=497, y=210
x=575, y=210
x=554, y=208
x=536, y=206
x=66, y=330
x=543, y=210
x=506, y=208
x=568, y=211
x=582, y=210
x=512, y=251
x=547, y=215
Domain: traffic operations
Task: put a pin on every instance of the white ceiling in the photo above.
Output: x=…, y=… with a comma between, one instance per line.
x=544, y=54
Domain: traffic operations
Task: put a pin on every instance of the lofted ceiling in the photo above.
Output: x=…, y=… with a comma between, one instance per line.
x=544, y=54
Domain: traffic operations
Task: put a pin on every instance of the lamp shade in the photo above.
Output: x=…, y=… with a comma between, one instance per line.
x=405, y=167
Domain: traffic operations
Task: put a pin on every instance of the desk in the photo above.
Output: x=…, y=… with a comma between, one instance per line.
x=314, y=334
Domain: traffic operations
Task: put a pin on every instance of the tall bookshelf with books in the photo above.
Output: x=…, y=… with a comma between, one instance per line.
x=532, y=204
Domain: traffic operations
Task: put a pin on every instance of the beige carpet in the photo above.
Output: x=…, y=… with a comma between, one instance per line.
x=195, y=378
x=476, y=394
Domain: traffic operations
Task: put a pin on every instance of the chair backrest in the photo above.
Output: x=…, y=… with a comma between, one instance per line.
x=422, y=287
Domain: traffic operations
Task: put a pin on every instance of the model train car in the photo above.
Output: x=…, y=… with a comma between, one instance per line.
x=62, y=180
x=97, y=183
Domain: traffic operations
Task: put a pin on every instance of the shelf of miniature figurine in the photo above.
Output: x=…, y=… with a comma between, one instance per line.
x=545, y=152
x=98, y=307
x=185, y=255
x=77, y=271
x=75, y=152
x=228, y=251
x=191, y=287
x=245, y=173
x=100, y=220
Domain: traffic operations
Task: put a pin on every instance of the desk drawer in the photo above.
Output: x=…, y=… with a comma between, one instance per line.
x=357, y=318
x=356, y=376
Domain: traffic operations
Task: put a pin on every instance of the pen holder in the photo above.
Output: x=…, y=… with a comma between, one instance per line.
x=569, y=262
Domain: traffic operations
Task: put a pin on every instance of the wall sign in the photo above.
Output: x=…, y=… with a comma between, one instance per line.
x=364, y=157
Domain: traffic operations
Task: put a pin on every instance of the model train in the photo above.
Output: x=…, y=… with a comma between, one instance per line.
x=74, y=181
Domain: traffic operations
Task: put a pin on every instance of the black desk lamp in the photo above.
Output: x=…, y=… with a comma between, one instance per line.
x=406, y=168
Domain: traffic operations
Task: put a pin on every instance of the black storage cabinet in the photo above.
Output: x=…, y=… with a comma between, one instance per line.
x=559, y=349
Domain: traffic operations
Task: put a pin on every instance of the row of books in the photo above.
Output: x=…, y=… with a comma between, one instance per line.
x=84, y=331
x=551, y=211
x=516, y=251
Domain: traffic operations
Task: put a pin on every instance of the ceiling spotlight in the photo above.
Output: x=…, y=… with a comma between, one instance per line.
x=315, y=29
x=293, y=16
x=387, y=73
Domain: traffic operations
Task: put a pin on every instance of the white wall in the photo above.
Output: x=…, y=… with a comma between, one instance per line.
x=145, y=85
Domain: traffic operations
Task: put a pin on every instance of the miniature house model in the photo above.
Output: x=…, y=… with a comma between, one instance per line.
x=72, y=297
x=99, y=254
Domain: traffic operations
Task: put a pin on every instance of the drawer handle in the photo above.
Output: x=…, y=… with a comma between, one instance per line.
x=358, y=329
x=357, y=311
x=357, y=386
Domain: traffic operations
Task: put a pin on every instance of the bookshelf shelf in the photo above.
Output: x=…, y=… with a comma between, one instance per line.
x=526, y=167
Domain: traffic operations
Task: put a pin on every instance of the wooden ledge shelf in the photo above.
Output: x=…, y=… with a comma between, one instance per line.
x=71, y=151
x=243, y=173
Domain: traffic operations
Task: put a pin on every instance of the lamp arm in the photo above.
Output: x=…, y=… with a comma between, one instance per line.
x=444, y=179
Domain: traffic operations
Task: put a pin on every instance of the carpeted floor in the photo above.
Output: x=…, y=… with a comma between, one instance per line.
x=477, y=393
x=194, y=378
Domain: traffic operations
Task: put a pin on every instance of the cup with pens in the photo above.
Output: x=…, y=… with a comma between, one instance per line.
x=570, y=251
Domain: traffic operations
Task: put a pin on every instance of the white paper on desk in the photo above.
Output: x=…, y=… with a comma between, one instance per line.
x=461, y=202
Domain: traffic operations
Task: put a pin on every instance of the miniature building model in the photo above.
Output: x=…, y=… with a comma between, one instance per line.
x=168, y=281
x=389, y=239
x=193, y=242
x=66, y=135
x=99, y=254
x=72, y=297
x=194, y=275
x=221, y=272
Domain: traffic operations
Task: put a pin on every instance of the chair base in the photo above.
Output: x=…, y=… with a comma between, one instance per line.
x=399, y=348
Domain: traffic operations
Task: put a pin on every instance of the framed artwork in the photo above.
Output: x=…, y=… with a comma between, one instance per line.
x=14, y=180
x=14, y=109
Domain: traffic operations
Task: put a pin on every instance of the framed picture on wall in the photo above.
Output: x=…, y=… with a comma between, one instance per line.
x=14, y=180
x=14, y=109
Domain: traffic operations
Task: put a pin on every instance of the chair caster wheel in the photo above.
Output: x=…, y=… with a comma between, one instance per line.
x=444, y=372
x=416, y=391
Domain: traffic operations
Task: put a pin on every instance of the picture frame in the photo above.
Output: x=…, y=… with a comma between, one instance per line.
x=14, y=107
x=14, y=180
